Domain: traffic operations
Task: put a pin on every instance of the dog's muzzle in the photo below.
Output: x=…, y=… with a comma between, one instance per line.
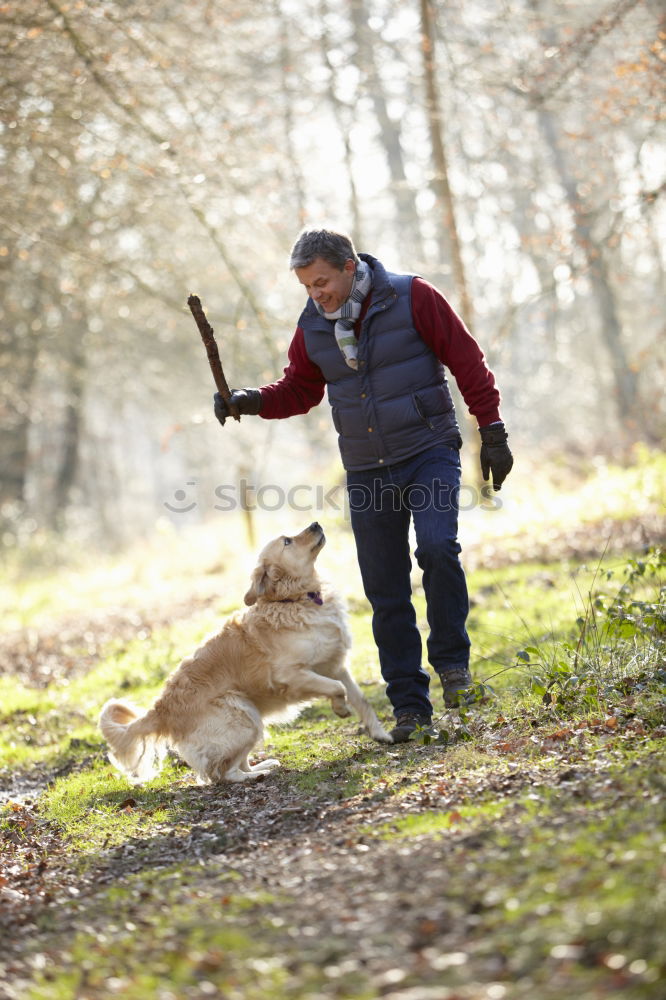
x=317, y=529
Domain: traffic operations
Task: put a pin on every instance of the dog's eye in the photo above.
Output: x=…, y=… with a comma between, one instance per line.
x=287, y=541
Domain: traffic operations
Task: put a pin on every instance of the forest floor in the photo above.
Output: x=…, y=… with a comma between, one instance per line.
x=520, y=855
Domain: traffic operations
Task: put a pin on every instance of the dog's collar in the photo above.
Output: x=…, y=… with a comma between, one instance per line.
x=314, y=595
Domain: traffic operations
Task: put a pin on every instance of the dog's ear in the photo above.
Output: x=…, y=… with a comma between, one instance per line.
x=258, y=585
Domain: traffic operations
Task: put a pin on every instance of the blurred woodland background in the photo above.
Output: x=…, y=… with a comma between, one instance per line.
x=507, y=150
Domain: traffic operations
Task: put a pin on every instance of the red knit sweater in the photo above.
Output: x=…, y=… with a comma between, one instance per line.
x=302, y=385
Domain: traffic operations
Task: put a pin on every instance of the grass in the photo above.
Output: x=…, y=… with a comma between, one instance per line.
x=51, y=578
x=437, y=822
x=551, y=887
x=93, y=806
x=182, y=951
x=590, y=897
x=44, y=721
x=523, y=851
x=187, y=956
x=58, y=725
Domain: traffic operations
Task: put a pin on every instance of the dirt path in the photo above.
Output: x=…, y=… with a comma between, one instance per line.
x=333, y=897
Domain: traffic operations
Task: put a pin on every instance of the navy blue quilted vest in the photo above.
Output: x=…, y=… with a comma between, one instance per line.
x=398, y=402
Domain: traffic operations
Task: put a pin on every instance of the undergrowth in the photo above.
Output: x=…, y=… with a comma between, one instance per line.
x=611, y=656
x=619, y=647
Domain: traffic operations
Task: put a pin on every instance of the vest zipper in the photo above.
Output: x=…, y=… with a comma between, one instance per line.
x=421, y=412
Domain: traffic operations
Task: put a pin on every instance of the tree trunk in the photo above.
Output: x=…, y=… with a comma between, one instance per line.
x=71, y=432
x=625, y=380
x=440, y=183
x=14, y=407
x=444, y=196
x=344, y=118
x=297, y=180
x=407, y=220
x=18, y=367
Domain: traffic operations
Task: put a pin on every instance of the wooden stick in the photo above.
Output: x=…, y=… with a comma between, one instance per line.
x=208, y=337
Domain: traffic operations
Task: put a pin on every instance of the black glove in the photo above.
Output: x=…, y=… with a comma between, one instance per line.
x=495, y=454
x=247, y=401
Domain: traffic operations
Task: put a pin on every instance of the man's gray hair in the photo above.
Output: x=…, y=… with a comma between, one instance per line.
x=335, y=248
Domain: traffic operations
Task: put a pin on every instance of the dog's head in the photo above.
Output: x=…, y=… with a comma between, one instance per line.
x=285, y=569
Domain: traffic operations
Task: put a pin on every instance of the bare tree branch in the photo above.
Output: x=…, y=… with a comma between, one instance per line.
x=573, y=54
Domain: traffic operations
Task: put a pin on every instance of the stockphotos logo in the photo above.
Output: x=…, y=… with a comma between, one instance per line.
x=316, y=498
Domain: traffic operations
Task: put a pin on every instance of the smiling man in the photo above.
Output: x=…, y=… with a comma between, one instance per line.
x=326, y=286
x=379, y=343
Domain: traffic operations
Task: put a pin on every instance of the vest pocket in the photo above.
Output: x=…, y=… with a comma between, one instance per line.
x=336, y=419
x=420, y=409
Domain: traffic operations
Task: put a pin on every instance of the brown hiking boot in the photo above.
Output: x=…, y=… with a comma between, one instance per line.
x=458, y=687
x=409, y=723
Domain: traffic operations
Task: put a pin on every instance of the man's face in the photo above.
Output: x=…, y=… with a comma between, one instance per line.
x=327, y=286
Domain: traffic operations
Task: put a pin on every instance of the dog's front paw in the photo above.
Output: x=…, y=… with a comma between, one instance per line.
x=340, y=707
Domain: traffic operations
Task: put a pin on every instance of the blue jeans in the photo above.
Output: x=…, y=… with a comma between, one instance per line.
x=382, y=501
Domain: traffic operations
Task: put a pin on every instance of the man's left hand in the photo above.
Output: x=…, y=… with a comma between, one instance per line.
x=496, y=456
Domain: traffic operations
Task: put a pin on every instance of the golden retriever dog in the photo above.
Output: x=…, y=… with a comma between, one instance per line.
x=287, y=649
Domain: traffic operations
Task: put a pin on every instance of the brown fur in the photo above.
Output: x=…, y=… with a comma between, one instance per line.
x=284, y=651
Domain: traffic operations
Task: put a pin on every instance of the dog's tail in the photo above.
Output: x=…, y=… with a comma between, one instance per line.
x=137, y=749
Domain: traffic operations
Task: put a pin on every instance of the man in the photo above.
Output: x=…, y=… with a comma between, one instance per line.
x=379, y=342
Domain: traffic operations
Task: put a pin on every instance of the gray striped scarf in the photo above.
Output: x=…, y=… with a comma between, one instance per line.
x=349, y=312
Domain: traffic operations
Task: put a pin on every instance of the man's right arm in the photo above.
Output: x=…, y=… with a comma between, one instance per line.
x=300, y=388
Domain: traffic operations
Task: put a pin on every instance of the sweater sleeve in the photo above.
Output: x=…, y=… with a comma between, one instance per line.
x=449, y=339
x=300, y=388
